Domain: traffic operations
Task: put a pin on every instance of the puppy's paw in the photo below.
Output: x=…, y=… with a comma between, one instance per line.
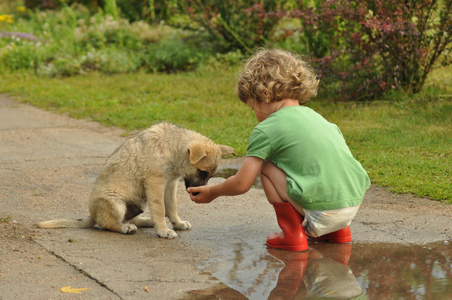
x=182, y=225
x=167, y=234
x=128, y=228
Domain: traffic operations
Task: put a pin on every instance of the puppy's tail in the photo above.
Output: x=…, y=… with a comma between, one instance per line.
x=64, y=223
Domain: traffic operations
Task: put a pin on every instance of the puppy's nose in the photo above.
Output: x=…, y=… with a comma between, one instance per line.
x=195, y=194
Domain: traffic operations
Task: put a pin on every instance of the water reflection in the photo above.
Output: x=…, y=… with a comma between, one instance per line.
x=332, y=271
x=408, y=272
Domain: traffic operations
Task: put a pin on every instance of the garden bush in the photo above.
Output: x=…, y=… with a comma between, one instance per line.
x=73, y=41
x=171, y=55
x=233, y=24
x=361, y=49
x=366, y=48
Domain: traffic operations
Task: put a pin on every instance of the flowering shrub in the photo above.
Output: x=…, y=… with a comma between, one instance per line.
x=71, y=41
x=366, y=48
x=19, y=54
x=362, y=49
x=6, y=19
x=100, y=30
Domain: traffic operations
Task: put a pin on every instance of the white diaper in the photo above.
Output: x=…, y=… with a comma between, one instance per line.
x=320, y=222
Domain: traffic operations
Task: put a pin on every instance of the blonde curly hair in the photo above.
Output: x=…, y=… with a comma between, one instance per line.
x=274, y=75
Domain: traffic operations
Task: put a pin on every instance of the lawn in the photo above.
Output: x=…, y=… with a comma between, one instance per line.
x=405, y=143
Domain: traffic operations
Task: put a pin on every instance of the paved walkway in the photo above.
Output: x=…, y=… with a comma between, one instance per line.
x=48, y=163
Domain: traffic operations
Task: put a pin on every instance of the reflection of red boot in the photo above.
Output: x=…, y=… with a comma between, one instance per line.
x=338, y=252
x=343, y=253
x=341, y=236
x=290, y=280
x=292, y=237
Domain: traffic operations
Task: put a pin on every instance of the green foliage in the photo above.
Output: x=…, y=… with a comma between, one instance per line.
x=150, y=10
x=111, y=9
x=361, y=49
x=233, y=24
x=71, y=41
x=19, y=55
x=171, y=55
x=365, y=49
x=219, y=60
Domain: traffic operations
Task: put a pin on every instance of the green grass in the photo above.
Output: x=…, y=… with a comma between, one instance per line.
x=405, y=144
x=201, y=101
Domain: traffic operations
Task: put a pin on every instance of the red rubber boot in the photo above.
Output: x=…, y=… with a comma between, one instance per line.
x=341, y=236
x=292, y=237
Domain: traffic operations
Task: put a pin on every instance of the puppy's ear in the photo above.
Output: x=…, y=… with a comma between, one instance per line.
x=226, y=150
x=197, y=151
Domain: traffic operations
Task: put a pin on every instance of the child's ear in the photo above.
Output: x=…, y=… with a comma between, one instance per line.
x=266, y=95
x=226, y=150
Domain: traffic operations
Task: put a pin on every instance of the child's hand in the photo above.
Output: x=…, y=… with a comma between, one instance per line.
x=200, y=194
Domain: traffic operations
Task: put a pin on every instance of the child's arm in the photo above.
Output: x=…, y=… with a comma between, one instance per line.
x=238, y=184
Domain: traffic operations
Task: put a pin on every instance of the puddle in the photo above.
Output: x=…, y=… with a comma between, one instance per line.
x=333, y=271
x=249, y=270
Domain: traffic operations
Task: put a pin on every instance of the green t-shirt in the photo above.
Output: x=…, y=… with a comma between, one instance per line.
x=322, y=173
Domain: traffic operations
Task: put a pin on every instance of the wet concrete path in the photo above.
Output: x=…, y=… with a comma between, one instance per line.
x=48, y=164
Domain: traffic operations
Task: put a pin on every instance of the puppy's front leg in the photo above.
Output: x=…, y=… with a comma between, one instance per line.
x=171, y=207
x=155, y=188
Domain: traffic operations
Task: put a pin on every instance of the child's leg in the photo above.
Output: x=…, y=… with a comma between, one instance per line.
x=274, y=182
x=330, y=225
x=292, y=237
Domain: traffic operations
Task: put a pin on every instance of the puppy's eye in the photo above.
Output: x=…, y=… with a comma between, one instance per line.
x=203, y=174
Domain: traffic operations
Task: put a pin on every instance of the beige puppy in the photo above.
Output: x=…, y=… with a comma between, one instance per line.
x=145, y=171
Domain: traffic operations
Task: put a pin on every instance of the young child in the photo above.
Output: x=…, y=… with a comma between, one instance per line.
x=307, y=170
